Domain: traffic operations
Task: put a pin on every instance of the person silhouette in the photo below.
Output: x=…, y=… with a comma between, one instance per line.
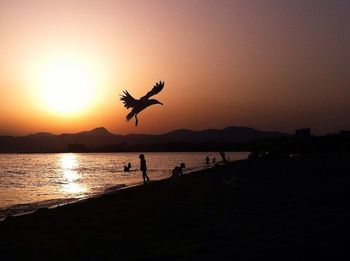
x=177, y=171
x=207, y=160
x=127, y=168
x=143, y=168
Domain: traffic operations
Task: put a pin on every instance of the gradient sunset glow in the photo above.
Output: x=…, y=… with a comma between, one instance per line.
x=272, y=65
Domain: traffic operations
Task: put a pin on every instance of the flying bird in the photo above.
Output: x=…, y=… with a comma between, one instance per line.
x=141, y=104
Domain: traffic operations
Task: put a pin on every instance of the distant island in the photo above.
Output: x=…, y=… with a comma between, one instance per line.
x=101, y=140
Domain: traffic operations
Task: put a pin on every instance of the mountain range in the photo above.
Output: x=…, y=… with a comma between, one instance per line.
x=100, y=139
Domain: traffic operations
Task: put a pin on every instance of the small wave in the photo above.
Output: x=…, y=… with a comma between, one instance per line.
x=115, y=187
x=61, y=182
x=16, y=172
x=21, y=209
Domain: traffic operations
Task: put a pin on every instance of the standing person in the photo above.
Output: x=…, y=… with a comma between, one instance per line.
x=207, y=160
x=143, y=168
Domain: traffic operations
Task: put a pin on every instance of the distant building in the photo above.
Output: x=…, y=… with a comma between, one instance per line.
x=303, y=133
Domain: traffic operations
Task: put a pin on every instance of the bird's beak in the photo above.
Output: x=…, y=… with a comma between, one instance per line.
x=161, y=103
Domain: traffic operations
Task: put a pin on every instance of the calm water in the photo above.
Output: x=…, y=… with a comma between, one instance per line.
x=31, y=181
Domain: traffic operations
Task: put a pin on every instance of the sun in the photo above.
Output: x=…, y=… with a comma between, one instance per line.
x=67, y=85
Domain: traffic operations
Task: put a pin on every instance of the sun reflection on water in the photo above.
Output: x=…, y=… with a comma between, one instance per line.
x=68, y=164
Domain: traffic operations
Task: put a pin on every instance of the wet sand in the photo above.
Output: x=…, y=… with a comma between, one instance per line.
x=282, y=208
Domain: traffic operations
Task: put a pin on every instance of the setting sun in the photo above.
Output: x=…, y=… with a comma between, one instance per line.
x=67, y=85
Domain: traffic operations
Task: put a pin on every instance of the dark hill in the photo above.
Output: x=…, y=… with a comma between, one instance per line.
x=229, y=134
x=100, y=139
x=101, y=131
x=40, y=134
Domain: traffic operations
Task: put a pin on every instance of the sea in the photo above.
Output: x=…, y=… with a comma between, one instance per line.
x=32, y=181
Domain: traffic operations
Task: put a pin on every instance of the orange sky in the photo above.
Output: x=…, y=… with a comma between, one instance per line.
x=272, y=65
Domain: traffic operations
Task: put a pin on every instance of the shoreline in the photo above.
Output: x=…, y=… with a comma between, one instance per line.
x=109, y=190
x=285, y=208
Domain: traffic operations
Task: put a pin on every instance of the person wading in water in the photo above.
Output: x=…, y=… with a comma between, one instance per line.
x=143, y=168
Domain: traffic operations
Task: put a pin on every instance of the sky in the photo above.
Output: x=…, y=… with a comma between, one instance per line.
x=271, y=65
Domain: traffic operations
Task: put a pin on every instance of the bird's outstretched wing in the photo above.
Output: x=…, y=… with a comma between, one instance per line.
x=127, y=99
x=156, y=88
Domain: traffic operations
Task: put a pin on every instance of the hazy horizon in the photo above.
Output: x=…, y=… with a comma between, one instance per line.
x=269, y=65
x=131, y=132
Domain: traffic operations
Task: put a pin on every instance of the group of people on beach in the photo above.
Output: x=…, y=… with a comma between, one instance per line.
x=143, y=168
x=177, y=171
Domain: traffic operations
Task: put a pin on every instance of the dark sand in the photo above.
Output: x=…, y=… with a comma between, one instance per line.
x=283, y=209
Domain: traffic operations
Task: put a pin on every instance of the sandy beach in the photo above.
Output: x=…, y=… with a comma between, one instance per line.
x=279, y=208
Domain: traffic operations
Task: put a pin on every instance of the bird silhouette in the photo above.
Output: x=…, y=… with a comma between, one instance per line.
x=141, y=104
